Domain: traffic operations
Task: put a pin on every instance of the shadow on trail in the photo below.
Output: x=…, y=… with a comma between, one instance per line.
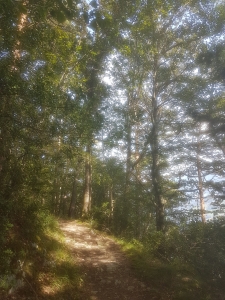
x=107, y=274
x=97, y=269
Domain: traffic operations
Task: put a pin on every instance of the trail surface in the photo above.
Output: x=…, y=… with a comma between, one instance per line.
x=107, y=271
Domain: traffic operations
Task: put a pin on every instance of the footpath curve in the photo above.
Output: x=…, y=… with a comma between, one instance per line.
x=107, y=274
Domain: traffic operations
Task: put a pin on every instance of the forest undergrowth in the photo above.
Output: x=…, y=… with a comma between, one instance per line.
x=113, y=110
x=184, y=263
x=38, y=267
x=181, y=264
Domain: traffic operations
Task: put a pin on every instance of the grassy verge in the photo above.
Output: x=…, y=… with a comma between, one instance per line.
x=46, y=270
x=166, y=279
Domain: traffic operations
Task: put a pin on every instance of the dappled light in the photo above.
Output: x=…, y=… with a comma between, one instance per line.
x=107, y=271
x=112, y=113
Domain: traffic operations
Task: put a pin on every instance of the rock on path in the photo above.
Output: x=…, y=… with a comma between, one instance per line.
x=106, y=269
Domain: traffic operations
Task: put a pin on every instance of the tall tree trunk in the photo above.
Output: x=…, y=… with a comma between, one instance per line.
x=53, y=205
x=156, y=177
x=62, y=202
x=138, y=179
x=156, y=181
x=125, y=211
x=57, y=197
x=71, y=211
x=5, y=147
x=112, y=201
x=87, y=183
x=6, y=108
x=200, y=184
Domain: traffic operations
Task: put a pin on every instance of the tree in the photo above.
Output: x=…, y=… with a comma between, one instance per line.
x=39, y=49
x=155, y=55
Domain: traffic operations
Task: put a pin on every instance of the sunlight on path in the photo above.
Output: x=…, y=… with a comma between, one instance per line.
x=107, y=273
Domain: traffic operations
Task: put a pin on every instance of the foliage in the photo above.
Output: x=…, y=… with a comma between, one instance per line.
x=44, y=263
x=101, y=216
x=185, y=263
x=155, y=132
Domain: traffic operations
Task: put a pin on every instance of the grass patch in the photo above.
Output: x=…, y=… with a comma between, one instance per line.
x=166, y=279
x=45, y=270
x=59, y=267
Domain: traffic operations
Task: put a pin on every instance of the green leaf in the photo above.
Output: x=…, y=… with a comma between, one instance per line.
x=58, y=15
x=22, y=8
x=70, y=3
x=68, y=14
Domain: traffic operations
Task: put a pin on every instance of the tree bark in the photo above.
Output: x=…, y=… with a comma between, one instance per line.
x=156, y=181
x=87, y=183
x=112, y=202
x=138, y=179
x=6, y=108
x=156, y=177
x=200, y=184
x=71, y=211
x=125, y=211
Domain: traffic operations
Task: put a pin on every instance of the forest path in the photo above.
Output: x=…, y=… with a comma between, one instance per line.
x=106, y=269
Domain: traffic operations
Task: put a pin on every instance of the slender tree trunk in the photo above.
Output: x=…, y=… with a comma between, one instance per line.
x=137, y=152
x=53, y=205
x=87, y=183
x=71, y=211
x=125, y=211
x=138, y=179
x=156, y=182
x=56, y=191
x=156, y=177
x=57, y=197
x=5, y=146
x=6, y=108
x=62, y=202
x=200, y=184
x=112, y=202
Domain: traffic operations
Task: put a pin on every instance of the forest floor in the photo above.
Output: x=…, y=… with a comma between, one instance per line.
x=73, y=261
x=107, y=272
x=77, y=262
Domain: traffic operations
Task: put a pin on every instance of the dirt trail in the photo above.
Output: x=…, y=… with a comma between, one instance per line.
x=106, y=269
